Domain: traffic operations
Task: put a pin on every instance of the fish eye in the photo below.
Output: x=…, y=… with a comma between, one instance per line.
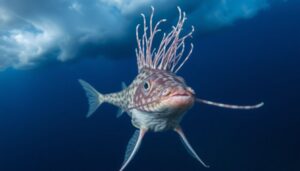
x=146, y=85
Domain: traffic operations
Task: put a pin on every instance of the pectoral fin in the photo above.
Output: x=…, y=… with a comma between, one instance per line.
x=133, y=146
x=189, y=147
x=120, y=112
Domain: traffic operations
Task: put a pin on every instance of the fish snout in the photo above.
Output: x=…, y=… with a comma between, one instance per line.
x=177, y=98
x=180, y=98
x=189, y=89
x=182, y=91
x=177, y=91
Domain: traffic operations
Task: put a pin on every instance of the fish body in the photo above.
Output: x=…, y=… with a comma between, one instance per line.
x=162, y=106
x=159, y=107
x=157, y=99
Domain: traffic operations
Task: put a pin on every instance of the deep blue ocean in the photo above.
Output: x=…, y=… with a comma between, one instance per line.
x=42, y=110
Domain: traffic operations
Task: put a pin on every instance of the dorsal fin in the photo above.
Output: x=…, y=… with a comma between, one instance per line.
x=169, y=55
x=188, y=147
x=133, y=146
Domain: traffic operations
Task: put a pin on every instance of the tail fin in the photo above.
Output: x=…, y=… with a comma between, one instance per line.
x=94, y=97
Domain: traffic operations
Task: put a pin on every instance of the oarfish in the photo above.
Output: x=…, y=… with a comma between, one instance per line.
x=157, y=99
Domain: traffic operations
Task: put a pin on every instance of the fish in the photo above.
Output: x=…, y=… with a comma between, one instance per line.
x=158, y=98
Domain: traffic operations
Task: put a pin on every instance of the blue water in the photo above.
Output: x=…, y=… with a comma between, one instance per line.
x=42, y=111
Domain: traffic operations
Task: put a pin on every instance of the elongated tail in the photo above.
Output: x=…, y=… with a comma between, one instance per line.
x=94, y=97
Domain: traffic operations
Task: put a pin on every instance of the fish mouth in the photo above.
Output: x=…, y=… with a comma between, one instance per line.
x=181, y=99
x=181, y=94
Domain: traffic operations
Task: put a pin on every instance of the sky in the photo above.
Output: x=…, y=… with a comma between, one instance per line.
x=38, y=32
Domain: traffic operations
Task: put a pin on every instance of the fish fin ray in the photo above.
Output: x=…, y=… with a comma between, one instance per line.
x=188, y=147
x=132, y=147
x=230, y=106
x=120, y=112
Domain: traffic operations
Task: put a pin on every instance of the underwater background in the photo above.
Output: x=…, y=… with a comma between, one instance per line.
x=42, y=109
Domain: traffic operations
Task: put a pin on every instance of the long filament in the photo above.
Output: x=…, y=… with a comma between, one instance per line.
x=230, y=106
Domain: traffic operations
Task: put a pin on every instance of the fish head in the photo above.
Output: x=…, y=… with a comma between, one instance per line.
x=163, y=92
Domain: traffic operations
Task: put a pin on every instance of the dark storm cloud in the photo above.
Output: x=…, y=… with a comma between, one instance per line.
x=37, y=31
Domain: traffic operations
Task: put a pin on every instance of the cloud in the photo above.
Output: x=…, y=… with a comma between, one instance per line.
x=225, y=12
x=33, y=32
